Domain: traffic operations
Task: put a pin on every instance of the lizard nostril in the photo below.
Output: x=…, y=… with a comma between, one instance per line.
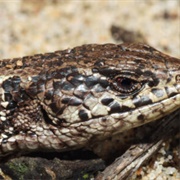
x=178, y=78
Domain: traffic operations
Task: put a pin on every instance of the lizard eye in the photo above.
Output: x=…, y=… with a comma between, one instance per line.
x=126, y=85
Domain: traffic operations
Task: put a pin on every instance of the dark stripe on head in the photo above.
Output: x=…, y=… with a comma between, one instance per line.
x=107, y=101
x=11, y=84
x=75, y=102
x=83, y=115
x=141, y=101
x=115, y=108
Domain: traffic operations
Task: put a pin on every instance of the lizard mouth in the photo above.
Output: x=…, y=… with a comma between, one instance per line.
x=142, y=115
x=121, y=121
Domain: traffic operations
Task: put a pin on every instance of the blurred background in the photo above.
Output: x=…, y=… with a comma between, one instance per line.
x=36, y=26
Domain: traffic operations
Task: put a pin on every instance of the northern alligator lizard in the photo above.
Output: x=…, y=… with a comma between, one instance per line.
x=69, y=99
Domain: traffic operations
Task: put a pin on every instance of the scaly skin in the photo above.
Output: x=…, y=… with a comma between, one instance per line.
x=68, y=99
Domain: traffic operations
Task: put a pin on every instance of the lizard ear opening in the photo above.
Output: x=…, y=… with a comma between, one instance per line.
x=45, y=117
x=178, y=78
x=49, y=120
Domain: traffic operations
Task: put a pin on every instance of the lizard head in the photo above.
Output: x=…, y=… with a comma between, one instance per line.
x=114, y=85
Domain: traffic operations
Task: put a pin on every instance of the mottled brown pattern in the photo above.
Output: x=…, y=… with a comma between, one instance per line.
x=76, y=97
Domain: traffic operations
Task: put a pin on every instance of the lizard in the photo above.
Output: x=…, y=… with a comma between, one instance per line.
x=73, y=98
